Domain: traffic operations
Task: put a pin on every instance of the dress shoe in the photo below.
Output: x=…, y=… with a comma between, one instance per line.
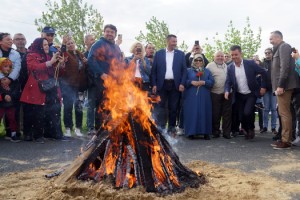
x=251, y=134
x=215, y=135
x=206, y=137
x=28, y=138
x=226, y=136
x=282, y=145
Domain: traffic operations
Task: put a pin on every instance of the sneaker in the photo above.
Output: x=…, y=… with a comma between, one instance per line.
x=92, y=132
x=296, y=142
x=7, y=138
x=283, y=145
x=40, y=140
x=78, y=132
x=15, y=139
x=180, y=131
x=263, y=130
x=68, y=132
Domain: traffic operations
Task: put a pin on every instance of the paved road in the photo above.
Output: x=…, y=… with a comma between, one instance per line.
x=249, y=156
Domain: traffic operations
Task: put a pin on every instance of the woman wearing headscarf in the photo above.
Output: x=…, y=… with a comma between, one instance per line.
x=197, y=100
x=36, y=102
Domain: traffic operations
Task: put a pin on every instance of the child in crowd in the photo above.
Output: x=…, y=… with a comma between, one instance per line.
x=8, y=97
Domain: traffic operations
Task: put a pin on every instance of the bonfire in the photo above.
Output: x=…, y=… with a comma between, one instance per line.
x=129, y=150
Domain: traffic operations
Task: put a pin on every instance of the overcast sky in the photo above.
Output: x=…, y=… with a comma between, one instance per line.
x=190, y=20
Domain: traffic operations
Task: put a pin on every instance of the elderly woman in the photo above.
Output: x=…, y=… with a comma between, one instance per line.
x=197, y=100
x=142, y=66
x=73, y=83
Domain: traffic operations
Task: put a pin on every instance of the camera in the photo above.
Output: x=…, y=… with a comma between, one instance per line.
x=138, y=50
x=196, y=42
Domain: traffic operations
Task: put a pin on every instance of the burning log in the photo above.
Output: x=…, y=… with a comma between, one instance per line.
x=130, y=150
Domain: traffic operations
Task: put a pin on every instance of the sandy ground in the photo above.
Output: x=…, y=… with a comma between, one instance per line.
x=223, y=183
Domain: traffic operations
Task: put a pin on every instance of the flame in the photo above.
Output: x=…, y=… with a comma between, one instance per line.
x=122, y=97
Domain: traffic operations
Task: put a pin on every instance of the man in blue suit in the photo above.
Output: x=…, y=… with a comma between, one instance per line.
x=241, y=78
x=168, y=80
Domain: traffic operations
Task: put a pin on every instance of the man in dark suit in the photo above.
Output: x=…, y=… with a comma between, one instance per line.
x=241, y=78
x=168, y=79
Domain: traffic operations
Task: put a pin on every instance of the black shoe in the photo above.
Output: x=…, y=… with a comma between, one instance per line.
x=206, y=137
x=274, y=131
x=263, y=130
x=63, y=139
x=40, y=140
x=215, y=135
x=277, y=137
x=28, y=138
x=15, y=139
x=226, y=136
x=191, y=137
x=234, y=134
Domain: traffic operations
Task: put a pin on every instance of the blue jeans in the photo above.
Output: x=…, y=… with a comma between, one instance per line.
x=270, y=105
x=91, y=107
x=70, y=100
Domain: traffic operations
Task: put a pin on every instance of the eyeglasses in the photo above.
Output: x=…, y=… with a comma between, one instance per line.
x=198, y=60
x=50, y=34
x=268, y=53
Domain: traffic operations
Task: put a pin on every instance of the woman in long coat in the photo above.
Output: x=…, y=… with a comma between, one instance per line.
x=40, y=67
x=197, y=100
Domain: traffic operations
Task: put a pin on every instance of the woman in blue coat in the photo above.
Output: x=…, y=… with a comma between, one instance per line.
x=197, y=100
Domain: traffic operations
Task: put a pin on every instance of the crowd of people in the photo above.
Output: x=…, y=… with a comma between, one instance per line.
x=199, y=98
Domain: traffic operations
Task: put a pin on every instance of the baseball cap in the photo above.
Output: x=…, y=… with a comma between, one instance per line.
x=48, y=29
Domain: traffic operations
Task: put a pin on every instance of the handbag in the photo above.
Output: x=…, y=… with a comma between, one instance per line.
x=48, y=84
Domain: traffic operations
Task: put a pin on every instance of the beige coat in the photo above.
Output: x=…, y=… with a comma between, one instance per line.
x=283, y=72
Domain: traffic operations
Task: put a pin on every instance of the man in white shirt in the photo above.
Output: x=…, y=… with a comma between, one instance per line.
x=168, y=79
x=241, y=78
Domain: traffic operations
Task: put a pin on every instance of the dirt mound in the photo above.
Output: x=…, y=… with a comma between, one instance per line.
x=223, y=183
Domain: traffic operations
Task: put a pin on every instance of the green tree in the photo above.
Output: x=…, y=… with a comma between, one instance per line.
x=71, y=16
x=248, y=41
x=157, y=32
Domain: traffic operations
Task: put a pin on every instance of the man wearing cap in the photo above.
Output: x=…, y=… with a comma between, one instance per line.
x=49, y=33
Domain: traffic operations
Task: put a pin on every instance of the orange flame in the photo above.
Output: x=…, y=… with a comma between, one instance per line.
x=124, y=97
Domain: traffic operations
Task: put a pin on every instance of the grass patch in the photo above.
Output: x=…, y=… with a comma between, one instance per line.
x=84, y=122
